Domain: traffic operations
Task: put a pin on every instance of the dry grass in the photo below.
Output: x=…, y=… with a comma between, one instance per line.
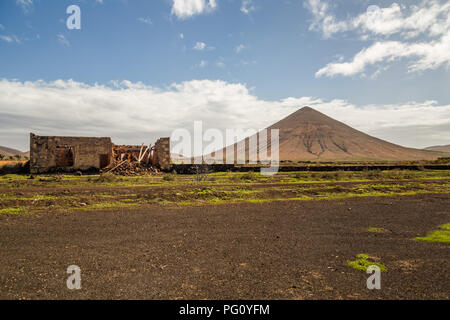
x=11, y=162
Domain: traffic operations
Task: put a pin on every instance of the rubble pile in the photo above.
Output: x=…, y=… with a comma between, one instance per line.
x=132, y=169
x=132, y=160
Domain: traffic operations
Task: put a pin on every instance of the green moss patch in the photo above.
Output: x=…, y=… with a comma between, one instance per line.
x=376, y=230
x=54, y=193
x=363, y=262
x=442, y=235
x=12, y=211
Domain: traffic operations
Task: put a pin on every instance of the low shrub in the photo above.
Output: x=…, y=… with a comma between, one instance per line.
x=249, y=176
x=326, y=176
x=299, y=175
x=106, y=177
x=374, y=174
x=169, y=177
x=15, y=168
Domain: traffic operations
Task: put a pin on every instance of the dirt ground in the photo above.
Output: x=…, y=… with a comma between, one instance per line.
x=278, y=250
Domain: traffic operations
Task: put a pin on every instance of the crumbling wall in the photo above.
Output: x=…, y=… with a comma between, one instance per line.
x=51, y=153
x=162, y=154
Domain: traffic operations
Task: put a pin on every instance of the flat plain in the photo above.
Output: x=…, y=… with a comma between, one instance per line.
x=225, y=235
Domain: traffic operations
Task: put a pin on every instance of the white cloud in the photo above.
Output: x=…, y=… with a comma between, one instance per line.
x=247, y=62
x=17, y=40
x=26, y=5
x=145, y=20
x=203, y=64
x=239, y=48
x=422, y=34
x=181, y=35
x=2, y=27
x=62, y=39
x=428, y=55
x=220, y=64
x=187, y=8
x=134, y=112
x=323, y=20
x=6, y=38
x=247, y=6
x=10, y=39
x=430, y=17
x=200, y=46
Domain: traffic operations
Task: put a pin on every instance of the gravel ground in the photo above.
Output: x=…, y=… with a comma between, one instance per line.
x=278, y=250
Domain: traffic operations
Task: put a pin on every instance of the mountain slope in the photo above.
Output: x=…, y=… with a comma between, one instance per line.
x=439, y=148
x=310, y=135
x=7, y=152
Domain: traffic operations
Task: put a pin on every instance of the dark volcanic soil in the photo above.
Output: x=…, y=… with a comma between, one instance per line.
x=279, y=250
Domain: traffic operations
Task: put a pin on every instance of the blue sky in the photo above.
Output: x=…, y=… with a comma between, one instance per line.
x=271, y=56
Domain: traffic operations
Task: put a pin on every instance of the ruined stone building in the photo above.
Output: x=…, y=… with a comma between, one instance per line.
x=53, y=153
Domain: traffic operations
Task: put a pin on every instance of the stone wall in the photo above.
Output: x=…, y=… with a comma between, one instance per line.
x=51, y=153
x=162, y=154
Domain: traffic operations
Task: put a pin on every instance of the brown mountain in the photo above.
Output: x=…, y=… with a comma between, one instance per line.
x=439, y=148
x=7, y=152
x=310, y=135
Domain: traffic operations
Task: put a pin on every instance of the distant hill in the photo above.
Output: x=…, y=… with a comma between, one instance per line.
x=310, y=135
x=439, y=148
x=7, y=152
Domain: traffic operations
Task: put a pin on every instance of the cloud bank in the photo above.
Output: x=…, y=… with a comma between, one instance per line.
x=135, y=113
